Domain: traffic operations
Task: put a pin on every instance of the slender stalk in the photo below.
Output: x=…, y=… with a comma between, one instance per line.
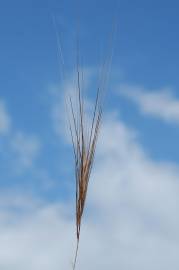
x=84, y=146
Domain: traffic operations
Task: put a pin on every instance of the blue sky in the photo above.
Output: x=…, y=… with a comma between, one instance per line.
x=138, y=146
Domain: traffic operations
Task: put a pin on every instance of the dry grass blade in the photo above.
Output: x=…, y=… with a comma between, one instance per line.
x=84, y=138
x=84, y=150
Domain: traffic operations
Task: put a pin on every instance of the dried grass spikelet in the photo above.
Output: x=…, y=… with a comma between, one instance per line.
x=84, y=135
x=84, y=139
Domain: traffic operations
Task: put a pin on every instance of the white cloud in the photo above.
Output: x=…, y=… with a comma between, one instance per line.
x=61, y=109
x=132, y=219
x=25, y=148
x=5, y=121
x=160, y=103
x=18, y=148
x=131, y=222
x=138, y=199
x=41, y=238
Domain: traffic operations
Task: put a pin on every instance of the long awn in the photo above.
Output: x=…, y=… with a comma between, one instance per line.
x=84, y=150
x=84, y=138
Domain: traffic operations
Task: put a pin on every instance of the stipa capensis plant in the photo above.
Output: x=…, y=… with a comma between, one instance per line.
x=84, y=146
x=84, y=133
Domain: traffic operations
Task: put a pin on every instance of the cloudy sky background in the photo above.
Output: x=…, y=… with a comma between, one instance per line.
x=131, y=220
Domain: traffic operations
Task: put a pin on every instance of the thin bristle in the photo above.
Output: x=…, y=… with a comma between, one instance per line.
x=84, y=150
x=84, y=138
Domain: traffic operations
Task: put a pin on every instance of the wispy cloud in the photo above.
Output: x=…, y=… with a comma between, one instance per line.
x=19, y=148
x=35, y=235
x=161, y=104
x=5, y=122
x=61, y=94
x=132, y=223
x=26, y=149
